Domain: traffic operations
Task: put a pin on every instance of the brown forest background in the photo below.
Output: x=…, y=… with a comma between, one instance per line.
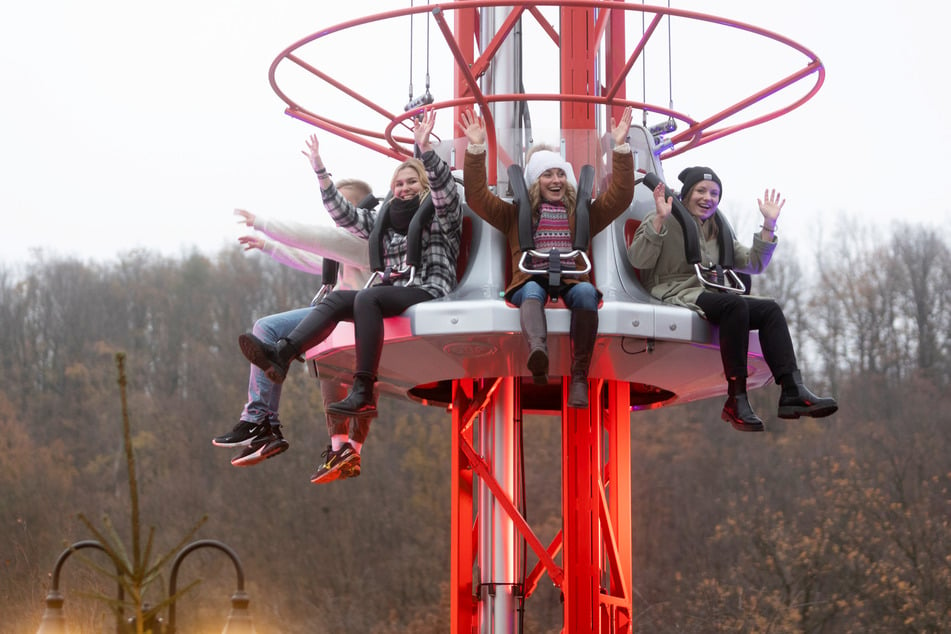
x=836, y=525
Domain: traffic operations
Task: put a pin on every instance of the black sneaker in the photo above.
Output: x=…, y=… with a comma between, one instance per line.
x=242, y=434
x=264, y=447
x=337, y=465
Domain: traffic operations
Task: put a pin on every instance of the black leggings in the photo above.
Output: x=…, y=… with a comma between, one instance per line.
x=366, y=309
x=737, y=315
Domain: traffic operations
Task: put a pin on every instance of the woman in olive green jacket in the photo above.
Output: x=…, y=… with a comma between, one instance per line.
x=658, y=250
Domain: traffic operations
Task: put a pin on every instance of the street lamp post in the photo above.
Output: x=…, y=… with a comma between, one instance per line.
x=239, y=619
x=54, y=620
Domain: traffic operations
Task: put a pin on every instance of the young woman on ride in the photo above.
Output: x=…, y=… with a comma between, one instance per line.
x=658, y=249
x=552, y=190
x=413, y=182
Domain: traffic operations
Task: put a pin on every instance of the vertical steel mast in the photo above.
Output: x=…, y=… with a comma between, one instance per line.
x=594, y=576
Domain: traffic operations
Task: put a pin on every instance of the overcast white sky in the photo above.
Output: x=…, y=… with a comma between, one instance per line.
x=142, y=125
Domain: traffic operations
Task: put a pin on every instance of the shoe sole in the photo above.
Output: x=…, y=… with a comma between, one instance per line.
x=241, y=443
x=340, y=471
x=234, y=443
x=257, y=457
x=363, y=413
x=743, y=426
x=538, y=366
x=253, y=353
x=792, y=413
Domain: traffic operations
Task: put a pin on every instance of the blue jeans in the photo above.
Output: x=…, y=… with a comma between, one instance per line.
x=580, y=296
x=264, y=397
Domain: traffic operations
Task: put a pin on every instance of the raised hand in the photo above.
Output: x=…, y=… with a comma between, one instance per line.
x=619, y=130
x=313, y=153
x=251, y=242
x=423, y=128
x=770, y=206
x=662, y=202
x=246, y=215
x=473, y=126
x=662, y=206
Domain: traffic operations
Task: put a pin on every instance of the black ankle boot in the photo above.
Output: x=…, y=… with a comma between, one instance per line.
x=359, y=401
x=797, y=400
x=274, y=360
x=737, y=410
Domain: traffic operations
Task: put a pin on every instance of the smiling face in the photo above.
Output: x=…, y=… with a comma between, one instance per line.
x=702, y=199
x=552, y=185
x=406, y=183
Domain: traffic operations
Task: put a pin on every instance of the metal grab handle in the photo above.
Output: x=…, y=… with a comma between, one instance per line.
x=399, y=274
x=329, y=272
x=566, y=255
x=322, y=292
x=735, y=285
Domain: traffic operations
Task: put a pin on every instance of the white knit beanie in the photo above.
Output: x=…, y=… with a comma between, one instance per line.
x=544, y=160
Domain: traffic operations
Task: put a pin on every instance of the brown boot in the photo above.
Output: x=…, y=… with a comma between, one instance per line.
x=584, y=332
x=535, y=330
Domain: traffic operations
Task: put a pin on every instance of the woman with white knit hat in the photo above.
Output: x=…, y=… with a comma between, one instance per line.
x=552, y=190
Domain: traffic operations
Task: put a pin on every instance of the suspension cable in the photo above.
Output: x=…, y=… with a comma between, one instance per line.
x=426, y=98
x=412, y=20
x=643, y=66
x=670, y=64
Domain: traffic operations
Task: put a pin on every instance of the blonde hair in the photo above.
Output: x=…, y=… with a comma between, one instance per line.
x=417, y=166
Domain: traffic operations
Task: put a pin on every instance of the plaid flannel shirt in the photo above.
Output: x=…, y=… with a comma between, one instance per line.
x=440, y=241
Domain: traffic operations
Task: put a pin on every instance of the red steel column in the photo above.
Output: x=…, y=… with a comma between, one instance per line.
x=578, y=50
x=618, y=472
x=581, y=505
x=462, y=600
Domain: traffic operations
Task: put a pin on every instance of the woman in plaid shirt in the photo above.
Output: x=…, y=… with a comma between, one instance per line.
x=413, y=182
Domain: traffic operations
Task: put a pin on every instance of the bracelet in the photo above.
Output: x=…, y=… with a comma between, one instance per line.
x=323, y=173
x=771, y=230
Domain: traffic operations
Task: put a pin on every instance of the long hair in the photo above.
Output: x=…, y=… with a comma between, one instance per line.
x=417, y=166
x=534, y=190
x=708, y=228
x=535, y=197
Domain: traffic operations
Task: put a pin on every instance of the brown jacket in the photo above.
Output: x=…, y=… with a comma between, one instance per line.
x=504, y=215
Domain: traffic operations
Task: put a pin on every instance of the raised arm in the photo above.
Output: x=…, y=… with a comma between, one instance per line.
x=479, y=198
x=313, y=156
x=619, y=130
x=770, y=206
x=423, y=129
x=473, y=126
x=663, y=205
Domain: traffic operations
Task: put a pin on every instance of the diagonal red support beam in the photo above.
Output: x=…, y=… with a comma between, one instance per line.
x=532, y=579
x=545, y=24
x=636, y=53
x=483, y=471
x=488, y=53
x=462, y=67
x=611, y=546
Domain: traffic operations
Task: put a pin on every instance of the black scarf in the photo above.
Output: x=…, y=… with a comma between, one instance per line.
x=401, y=212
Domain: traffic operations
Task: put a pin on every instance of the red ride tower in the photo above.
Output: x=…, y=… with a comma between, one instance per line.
x=466, y=353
